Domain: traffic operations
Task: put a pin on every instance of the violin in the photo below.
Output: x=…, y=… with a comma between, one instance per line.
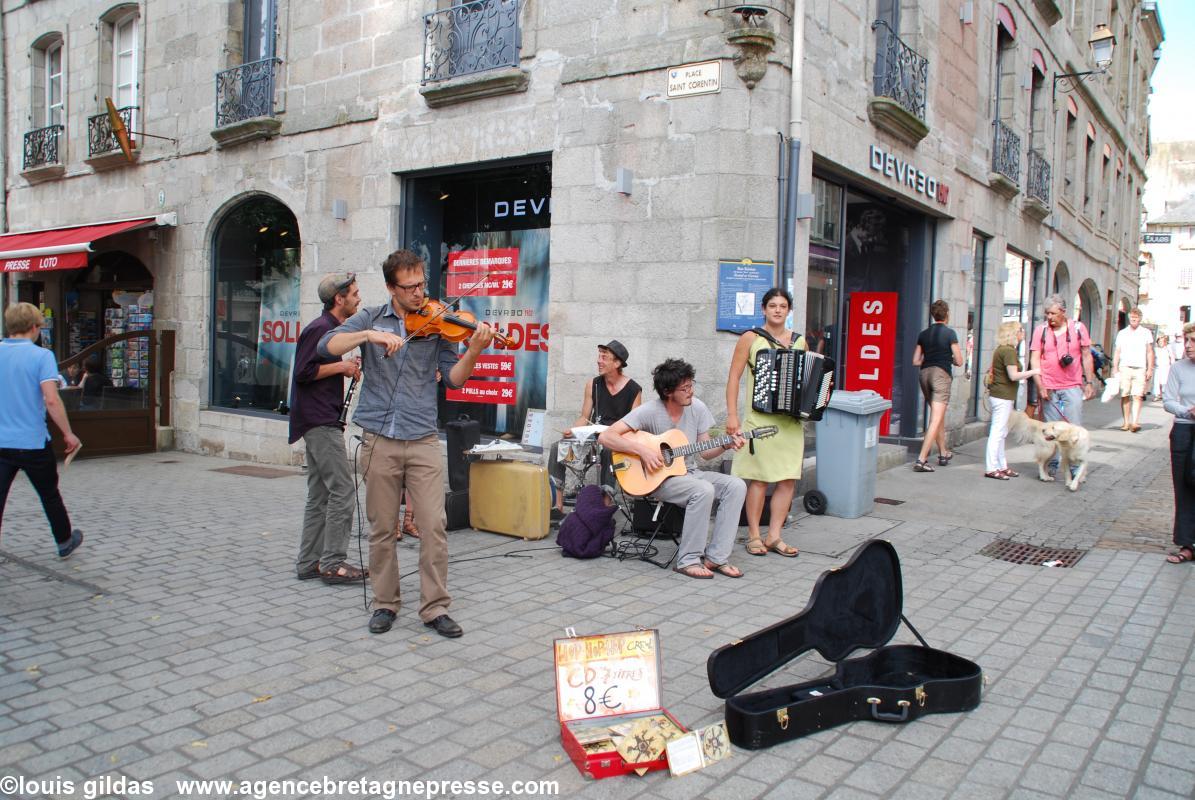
x=433, y=318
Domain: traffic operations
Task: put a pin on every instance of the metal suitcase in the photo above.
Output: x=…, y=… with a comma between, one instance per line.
x=510, y=497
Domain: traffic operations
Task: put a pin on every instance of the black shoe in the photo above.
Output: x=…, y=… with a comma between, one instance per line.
x=311, y=573
x=73, y=545
x=444, y=626
x=381, y=620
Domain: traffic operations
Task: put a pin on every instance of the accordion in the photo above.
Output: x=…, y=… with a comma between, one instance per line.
x=793, y=382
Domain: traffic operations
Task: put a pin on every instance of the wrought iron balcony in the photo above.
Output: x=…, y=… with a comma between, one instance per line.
x=471, y=37
x=900, y=73
x=1006, y=153
x=245, y=92
x=41, y=146
x=100, y=138
x=1037, y=181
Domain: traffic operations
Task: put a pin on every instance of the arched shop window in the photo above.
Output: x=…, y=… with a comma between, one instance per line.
x=255, y=305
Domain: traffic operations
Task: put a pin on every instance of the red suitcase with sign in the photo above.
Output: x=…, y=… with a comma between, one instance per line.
x=613, y=677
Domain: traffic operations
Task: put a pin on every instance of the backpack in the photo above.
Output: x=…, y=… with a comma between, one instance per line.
x=586, y=532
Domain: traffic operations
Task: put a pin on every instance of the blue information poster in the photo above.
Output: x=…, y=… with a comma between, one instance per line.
x=741, y=287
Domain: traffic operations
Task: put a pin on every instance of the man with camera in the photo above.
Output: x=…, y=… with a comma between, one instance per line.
x=1061, y=349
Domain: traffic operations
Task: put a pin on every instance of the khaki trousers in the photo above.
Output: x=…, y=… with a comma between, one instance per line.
x=389, y=465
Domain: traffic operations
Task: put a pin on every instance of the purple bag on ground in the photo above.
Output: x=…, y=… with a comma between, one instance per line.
x=586, y=532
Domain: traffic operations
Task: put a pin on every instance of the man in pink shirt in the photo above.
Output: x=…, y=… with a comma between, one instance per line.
x=1061, y=349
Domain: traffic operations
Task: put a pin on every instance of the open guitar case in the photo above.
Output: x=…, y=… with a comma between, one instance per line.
x=856, y=606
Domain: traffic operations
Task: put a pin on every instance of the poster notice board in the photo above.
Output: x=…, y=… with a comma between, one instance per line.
x=871, y=346
x=741, y=287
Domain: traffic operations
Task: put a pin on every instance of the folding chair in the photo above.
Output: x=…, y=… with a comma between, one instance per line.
x=652, y=519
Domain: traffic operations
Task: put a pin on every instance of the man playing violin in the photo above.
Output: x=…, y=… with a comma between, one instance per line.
x=701, y=552
x=397, y=410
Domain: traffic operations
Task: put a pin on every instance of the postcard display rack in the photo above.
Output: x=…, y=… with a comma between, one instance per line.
x=608, y=690
x=128, y=360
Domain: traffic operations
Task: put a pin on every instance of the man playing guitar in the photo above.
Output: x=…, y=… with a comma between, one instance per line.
x=702, y=552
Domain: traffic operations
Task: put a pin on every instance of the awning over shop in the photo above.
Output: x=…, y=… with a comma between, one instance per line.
x=65, y=248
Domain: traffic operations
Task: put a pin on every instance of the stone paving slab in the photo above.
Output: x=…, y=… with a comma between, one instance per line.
x=177, y=643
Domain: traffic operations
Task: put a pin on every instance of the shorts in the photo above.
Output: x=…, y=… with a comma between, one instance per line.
x=935, y=384
x=1132, y=381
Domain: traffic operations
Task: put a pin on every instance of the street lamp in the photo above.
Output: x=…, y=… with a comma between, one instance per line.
x=1102, y=43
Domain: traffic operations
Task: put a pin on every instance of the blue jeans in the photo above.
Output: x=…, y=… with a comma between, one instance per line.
x=1064, y=403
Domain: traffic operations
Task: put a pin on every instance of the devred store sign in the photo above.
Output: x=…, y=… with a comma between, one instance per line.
x=871, y=346
x=498, y=393
x=484, y=273
x=45, y=263
x=906, y=175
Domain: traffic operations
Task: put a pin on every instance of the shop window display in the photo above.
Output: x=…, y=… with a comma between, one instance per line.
x=255, y=307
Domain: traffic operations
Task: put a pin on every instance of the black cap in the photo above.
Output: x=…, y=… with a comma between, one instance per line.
x=616, y=347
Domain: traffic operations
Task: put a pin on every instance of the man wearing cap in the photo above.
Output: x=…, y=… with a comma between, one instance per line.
x=607, y=398
x=317, y=399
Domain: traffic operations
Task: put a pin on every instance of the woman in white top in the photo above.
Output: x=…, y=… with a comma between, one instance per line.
x=1162, y=361
x=1179, y=399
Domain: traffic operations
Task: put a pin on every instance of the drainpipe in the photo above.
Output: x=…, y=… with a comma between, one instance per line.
x=795, y=126
x=3, y=149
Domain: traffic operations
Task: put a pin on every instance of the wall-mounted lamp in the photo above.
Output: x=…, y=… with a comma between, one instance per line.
x=1158, y=53
x=966, y=12
x=623, y=179
x=1102, y=44
x=805, y=204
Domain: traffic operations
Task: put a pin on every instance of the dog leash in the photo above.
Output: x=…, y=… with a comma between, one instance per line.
x=1059, y=410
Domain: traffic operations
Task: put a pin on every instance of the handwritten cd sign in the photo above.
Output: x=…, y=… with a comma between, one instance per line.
x=617, y=673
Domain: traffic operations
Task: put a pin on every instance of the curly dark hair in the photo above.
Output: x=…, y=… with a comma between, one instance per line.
x=671, y=374
x=401, y=261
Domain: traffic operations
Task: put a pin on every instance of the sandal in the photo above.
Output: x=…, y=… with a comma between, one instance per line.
x=998, y=475
x=344, y=572
x=943, y=460
x=1183, y=555
x=756, y=547
x=780, y=548
x=694, y=571
x=922, y=466
x=729, y=570
x=1011, y=473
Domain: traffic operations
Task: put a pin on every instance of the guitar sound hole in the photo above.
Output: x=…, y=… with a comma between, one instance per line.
x=666, y=453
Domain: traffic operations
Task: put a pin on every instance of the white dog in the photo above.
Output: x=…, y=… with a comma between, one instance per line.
x=1072, y=441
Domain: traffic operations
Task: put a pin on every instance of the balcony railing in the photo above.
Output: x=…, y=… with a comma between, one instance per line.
x=900, y=73
x=1037, y=181
x=245, y=92
x=471, y=37
x=41, y=146
x=100, y=138
x=1006, y=153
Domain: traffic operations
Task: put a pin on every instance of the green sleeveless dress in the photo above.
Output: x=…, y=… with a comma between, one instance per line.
x=779, y=457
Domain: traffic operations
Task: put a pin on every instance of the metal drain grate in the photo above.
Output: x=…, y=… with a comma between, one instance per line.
x=258, y=472
x=888, y=501
x=1021, y=553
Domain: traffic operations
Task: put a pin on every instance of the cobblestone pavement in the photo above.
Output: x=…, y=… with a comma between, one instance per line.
x=177, y=643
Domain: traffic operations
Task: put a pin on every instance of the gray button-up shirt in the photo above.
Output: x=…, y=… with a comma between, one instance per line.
x=398, y=394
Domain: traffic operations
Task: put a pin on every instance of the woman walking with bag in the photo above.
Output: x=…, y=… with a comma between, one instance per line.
x=1002, y=382
x=1179, y=399
x=776, y=460
x=937, y=349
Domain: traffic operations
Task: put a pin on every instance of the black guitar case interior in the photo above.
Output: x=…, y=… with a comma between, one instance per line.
x=856, y=606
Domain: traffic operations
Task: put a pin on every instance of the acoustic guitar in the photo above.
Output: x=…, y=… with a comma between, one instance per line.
x=674, y=446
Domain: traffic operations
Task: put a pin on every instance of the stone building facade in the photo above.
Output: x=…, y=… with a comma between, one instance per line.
x=618, y=170
x=1168, y=240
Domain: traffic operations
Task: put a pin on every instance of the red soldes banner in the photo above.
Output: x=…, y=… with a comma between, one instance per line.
x=871, y=346
x=484, y=273
x=501, y=393
x=494, y=367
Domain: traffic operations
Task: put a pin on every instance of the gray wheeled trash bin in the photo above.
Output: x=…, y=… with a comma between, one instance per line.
x=847, y=439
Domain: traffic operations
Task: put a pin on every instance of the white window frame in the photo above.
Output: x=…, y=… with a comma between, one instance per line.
x=131, y=87
x=52, y=108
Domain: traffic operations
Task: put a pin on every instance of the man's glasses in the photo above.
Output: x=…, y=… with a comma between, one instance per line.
x=411, y=287
x=689, y=387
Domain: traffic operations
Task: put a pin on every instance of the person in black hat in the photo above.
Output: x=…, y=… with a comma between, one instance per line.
x=609, y=397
